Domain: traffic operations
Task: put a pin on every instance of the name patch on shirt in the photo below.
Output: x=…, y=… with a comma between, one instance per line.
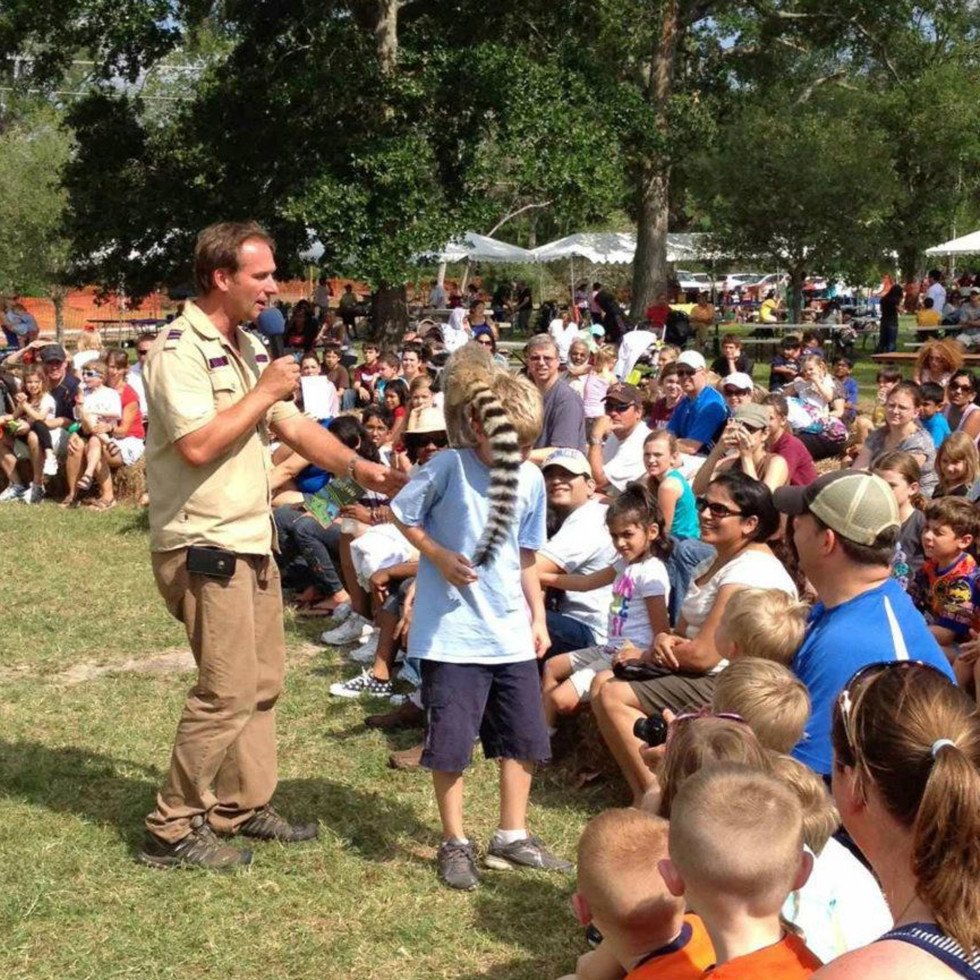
x=174, y=334
x=217, y=362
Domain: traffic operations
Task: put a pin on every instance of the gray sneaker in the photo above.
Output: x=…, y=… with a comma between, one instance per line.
x=527, y=853
x=457, y=865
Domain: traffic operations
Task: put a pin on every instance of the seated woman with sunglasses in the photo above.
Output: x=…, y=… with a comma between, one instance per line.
x=906, y=779
x=483, y=337
x=737, y=518
x=961, y=411
x=742, y=448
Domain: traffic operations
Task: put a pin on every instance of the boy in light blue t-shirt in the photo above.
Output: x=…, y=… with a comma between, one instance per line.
x=478, y=633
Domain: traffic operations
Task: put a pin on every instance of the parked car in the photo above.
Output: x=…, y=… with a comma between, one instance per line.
x=698, y=282
x=737, y=280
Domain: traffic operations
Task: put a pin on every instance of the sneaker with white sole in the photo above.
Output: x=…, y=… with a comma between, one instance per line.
x=366, y=684
x=527, y=853
x=50, y=463
x=341, y=613
x=365, y=653
x=14, y=492
x=354, y=629
x=33, y=496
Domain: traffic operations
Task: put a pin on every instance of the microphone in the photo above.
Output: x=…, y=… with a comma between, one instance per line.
x=272, y=325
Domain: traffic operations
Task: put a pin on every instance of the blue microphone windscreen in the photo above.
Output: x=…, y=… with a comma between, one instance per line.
x=271, y=322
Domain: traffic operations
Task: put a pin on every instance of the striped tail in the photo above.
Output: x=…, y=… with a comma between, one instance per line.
x=505, y=456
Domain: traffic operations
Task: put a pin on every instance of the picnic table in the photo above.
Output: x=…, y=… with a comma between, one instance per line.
x=910, y=357
x=123, y=331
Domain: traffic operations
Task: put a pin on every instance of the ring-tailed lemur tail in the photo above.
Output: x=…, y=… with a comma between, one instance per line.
x=505, y=455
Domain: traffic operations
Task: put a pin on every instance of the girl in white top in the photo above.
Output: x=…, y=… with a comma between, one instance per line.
x=638, y=611
x=31, y=405
x=815, y=388
x=597, y=382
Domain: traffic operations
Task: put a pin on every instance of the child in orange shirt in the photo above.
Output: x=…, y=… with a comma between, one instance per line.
x=736, y=852
x=645, y=932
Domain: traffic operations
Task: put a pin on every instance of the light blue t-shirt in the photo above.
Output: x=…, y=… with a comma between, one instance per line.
x=486, y=622
x=878, y=625
x=937, y=427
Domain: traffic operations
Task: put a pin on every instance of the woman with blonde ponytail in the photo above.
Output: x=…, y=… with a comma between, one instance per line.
x=907, y=783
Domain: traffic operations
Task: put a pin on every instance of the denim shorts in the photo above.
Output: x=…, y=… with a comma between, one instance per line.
x=500, y=703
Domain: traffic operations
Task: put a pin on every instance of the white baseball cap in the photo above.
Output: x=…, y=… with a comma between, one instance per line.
x=691, y=359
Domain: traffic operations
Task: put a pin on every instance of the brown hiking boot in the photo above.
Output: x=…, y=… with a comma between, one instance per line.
x=267, y=824
x=407, y=715
x=199, y=849
x=407, y=759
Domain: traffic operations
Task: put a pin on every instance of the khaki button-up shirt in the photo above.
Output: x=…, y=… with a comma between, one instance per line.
x=192, y=373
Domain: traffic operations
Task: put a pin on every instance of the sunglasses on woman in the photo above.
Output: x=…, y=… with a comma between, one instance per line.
x=484, y=341
x=718, y=511
x=702, y=713
x=419, y=440
x=92, y=374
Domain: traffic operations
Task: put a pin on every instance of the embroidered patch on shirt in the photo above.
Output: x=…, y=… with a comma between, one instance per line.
x=261, y=358
x=174, y=334
x=216, y=362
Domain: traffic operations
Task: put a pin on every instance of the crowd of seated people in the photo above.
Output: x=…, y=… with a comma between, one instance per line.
x=783, y=663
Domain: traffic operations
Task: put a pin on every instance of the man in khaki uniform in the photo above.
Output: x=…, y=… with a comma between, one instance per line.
x=214, y=394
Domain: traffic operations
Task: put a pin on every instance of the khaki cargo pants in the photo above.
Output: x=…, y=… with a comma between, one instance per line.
x=224, y=757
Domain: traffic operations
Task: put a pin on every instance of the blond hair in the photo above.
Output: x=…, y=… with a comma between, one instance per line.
x=701, y=741
x=604, y=356
x=768, y=696
x=958, y=447
x=766, y=623
x=820, y=816
x=737, y=834
x=618, y=874
x=88, y=340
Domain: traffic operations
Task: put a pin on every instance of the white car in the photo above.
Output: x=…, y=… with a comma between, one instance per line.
x=697, y=282
x=737, y=280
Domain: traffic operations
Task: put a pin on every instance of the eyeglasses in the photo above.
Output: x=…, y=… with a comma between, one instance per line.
x=848, y=703
x=484, y=341
x=966, y=387
x=142, y=353
x=542, y=359
x=734, y=391
x=685, y=373
x=419, y=440
x=617, y=407
x=716, y=510
x=92, y=374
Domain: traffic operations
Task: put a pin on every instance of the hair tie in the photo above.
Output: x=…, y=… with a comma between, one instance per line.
x=939, y=743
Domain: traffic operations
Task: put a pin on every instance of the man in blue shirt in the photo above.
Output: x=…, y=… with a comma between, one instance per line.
x=698, y=419
x=845, y=525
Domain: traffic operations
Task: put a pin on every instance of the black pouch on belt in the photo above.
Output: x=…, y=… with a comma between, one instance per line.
x=212, y=562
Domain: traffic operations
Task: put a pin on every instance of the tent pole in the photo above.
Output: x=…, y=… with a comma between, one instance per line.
x=441, y=274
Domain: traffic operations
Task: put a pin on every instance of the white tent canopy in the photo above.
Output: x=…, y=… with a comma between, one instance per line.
x=479, y=248
x=610, y=248
x=965, y=245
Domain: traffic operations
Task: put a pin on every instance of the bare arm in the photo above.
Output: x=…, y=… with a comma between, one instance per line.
x=323, y=449
x=455, y=568
x=689, y=446
x=579, y=583
x=700, y=654
x=534, y=596
x=668, y=493
x=703, y=476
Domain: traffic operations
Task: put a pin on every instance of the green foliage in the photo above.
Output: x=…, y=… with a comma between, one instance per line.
x=34, y=146
x=806, y=186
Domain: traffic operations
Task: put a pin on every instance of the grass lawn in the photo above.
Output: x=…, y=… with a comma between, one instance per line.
x=80, y=761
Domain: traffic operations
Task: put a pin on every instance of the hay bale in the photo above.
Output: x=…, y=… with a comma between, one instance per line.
x=129, y=482
x=579, y=751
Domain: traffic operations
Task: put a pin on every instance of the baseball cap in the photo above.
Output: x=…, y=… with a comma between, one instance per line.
x=858, y=506
x=754, y=415
x=738, y=379
x=426, y=420
x=624, y=394
x=569, y=459
x=52, y=352
x=691, y=359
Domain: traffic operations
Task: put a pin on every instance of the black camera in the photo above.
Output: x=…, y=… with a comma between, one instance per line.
x=652, y=730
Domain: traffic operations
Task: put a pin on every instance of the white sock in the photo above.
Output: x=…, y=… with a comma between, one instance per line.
x=504, y=837
x=457, y=840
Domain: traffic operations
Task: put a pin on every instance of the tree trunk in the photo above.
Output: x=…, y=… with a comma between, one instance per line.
x=389, y=315
x=58, y=295
x=797, y=276
x=909, y=262
x=653, y=193
x=386, y=34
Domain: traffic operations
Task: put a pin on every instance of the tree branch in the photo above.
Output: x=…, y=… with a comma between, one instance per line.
x=807, y=93
x=514, y=214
